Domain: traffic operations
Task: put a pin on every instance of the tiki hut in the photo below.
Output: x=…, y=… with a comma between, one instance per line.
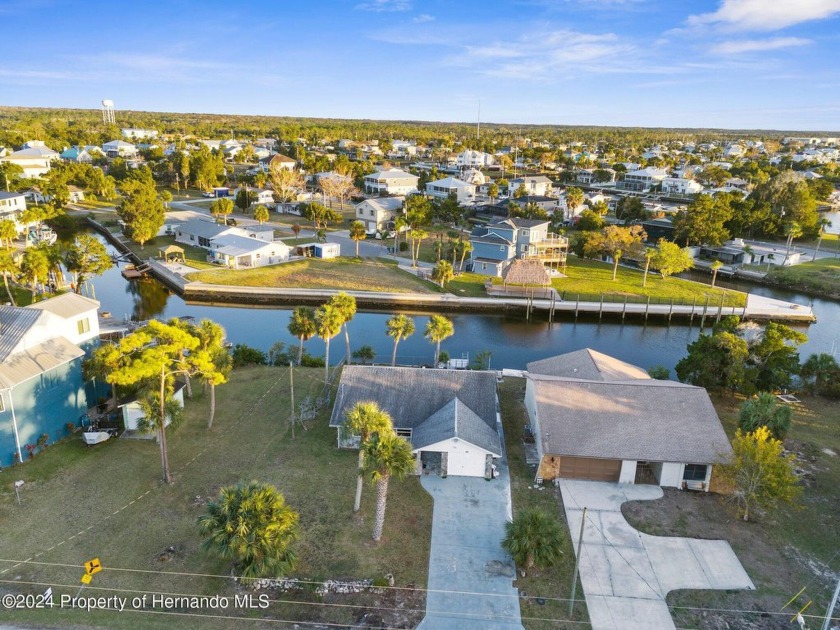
x=527, y=273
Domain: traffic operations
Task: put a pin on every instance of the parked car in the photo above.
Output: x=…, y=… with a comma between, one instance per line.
x=207, y=194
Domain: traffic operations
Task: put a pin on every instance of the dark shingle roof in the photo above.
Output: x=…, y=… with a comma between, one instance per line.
x=456, y=420
x=660, y=421
x=587, y=364
x=412, y=395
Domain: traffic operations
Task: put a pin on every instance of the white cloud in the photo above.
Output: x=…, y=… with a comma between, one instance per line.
x=547, y=54
x=766, y=15
x=385, y=6
x=422, y=18
x=736, y=47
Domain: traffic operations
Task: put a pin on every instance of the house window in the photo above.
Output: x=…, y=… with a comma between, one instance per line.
x=695, y=472
x=483, y=266
x=258, y=256
x=501, y=248
x=83, y=326
x=405, y=433
x=192, y=237
x=524, y=232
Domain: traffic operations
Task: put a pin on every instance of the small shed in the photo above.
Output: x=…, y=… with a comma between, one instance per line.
x=171, y=253
x=320, y=250
x=526, y=272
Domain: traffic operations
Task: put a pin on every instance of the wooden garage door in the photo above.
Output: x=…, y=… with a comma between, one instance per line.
x=590, y=468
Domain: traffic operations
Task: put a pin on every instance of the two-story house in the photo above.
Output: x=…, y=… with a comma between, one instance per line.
x=119, y=148
x=681, y=186
x=538, y=185
x=643, y=179
x=392, y=181
x=42, y=389
x=12, y=204
x=442, y=188
x=379, y=213
x=35, y=161
x=474, y=159
x=498, y=244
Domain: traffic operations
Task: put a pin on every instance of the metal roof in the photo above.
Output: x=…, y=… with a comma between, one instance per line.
x=412, y=395
x=587, y=364
x=15, y=322
x=30, y=363
x=206, y=229
x=660, y=421
x=235, y=245
x=456, y=420
x=67, y=305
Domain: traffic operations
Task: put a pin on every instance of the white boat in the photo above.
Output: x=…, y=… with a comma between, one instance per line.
x=43, y=234
x=95, y=437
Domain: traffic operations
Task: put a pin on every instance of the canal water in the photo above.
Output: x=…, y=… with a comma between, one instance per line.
x=512, y=341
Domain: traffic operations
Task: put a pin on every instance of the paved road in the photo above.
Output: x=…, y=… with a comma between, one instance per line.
x=626, y=574
x=467, y=528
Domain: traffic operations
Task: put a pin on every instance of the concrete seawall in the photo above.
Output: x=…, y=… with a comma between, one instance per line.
x=757, y=308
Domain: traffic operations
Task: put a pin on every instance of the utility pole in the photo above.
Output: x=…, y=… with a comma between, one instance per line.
x=292, y=384
x=577, y=564
x=830, y=613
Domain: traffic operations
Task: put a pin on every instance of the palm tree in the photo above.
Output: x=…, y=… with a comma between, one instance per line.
x=34, y=266
x=819, y=367
x=437, y=329
x=794, y=231
x=346, y=306
x=823, y=223
x=357, y=233
x=417, y=235
x=387, y=455
x=399, y=328
x=328, y=321
x=649, y=253
x=252, y=524
x=443, y=273
x=534, y=538
x=716, y=265
x=365, y=419
x=8, y=232
x=217, y=364
x=466, y=248
x=302, y=325
x=8, y=267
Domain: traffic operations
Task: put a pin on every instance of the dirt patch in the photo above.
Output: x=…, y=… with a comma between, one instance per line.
x=777, y=570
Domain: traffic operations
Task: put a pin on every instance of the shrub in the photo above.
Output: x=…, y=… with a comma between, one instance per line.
x=243, y=354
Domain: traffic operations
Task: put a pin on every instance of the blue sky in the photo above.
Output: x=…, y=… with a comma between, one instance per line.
x=659, y=63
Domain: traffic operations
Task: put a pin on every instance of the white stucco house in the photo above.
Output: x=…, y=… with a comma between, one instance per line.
x=681, y=186
x=240, y=252
x=119, y=148
x=11, y=205
x=474, y=159
x=35, y=161
x=449, y=416
x=392, y=181
x=538, y=185
x=597, y=418
x=378, y=213
x=133, y=133
x=642, y=179
x=442, y=188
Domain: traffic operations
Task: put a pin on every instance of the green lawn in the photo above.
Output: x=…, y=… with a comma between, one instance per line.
x=821, y=276
x=350, y=274
x=193, y=256
x=555, y=582
x=108, y=502
x=468, y=285
x=591, y=278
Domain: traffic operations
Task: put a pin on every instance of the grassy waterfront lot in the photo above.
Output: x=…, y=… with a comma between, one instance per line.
x=821, y=276
x=108, y=502
x=348, y=274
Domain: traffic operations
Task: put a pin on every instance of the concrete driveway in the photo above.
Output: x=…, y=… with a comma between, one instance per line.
x=626, y=574
x=468, y=525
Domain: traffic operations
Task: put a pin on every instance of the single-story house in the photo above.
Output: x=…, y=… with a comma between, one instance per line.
x=77, y=154
x=595, y=417
x=449, y=416
x=42, y=388
x=237, y=252
x=199, y=232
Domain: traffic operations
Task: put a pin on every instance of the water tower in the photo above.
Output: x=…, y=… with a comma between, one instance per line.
x=108, y=111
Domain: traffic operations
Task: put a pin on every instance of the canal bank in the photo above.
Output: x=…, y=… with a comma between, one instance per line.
x=756, y=308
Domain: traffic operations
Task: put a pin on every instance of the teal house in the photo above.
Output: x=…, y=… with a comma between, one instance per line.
x=42, y=389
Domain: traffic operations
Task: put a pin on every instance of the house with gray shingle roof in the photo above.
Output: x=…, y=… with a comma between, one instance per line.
x=449, y=416
x=42, y=388
x=595, y=417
